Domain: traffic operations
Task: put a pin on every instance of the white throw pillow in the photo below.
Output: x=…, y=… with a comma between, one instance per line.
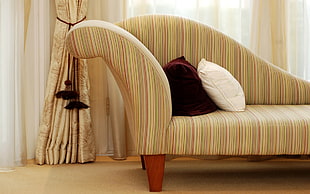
x=221, y=86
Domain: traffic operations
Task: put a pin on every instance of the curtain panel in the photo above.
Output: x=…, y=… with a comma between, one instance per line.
x=108, y=114
x=12, y=135
x=35, y=68
x=268, y=31
x=65, y=134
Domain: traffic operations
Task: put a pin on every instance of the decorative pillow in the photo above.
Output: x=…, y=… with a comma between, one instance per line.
x=187, y=93
x=221, y=86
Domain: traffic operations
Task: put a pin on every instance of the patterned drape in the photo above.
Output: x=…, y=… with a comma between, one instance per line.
x=65, y=134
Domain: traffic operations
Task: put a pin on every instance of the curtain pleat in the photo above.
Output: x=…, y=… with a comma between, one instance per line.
x=12, y=133
x=268, y=31
x=108, y=114
x=65, y=135
x=27, y=5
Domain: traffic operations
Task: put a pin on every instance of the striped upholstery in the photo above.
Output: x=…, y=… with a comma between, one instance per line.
x=142, y=81
x=277, y=119
x=260, y=130
x=168, y=37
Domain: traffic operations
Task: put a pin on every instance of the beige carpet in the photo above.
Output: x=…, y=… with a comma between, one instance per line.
x=181, y=176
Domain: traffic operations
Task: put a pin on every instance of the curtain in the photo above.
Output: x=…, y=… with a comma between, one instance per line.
x=229, y=16
x=35, y=68
x=269, y=31
x=25, y=47
x=65, y=134
x=298, y=37
x=12, y=135
x=27, y=4
x=108, y=115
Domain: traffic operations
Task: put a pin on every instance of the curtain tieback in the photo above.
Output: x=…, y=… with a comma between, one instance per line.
x=71, y=91
x=71, y=24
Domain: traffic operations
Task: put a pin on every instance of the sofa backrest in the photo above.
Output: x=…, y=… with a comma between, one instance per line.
x=168, y=37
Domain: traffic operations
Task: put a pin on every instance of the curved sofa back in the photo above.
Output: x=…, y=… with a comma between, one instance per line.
x=168, y=37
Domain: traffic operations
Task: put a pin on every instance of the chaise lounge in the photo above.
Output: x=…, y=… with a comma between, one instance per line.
x=276, y=119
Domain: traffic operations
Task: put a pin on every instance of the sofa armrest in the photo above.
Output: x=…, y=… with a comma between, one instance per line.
x=141, y=79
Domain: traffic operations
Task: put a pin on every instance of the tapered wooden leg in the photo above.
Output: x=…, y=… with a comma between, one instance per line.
x=155, y=165
x=142, y=162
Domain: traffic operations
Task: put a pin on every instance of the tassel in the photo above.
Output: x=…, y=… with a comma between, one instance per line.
x=67, y=93
x=76, y=104
x=71, y=91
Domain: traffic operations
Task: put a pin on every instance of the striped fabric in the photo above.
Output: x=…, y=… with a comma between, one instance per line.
x=142, y=81
x=260, y=130
x=168, y=37
x=277, y=118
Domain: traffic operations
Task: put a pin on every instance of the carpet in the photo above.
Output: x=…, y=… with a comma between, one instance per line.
x=184, y=175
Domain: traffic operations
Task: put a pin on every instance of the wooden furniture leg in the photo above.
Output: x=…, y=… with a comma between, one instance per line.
x=155, y=165
x=142, y=162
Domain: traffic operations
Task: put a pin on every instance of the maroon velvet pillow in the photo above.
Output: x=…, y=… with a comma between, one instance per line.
x=188, y=96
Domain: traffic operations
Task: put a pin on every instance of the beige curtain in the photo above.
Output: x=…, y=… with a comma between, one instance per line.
x=298, y=37
x=66, y=135
x=229, y=16
x=35, y=69
x=12, y=133
x=269, y=39
x=108, y=116
x=27, y=5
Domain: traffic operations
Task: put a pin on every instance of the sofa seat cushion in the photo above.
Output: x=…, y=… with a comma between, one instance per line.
x=260, y=130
